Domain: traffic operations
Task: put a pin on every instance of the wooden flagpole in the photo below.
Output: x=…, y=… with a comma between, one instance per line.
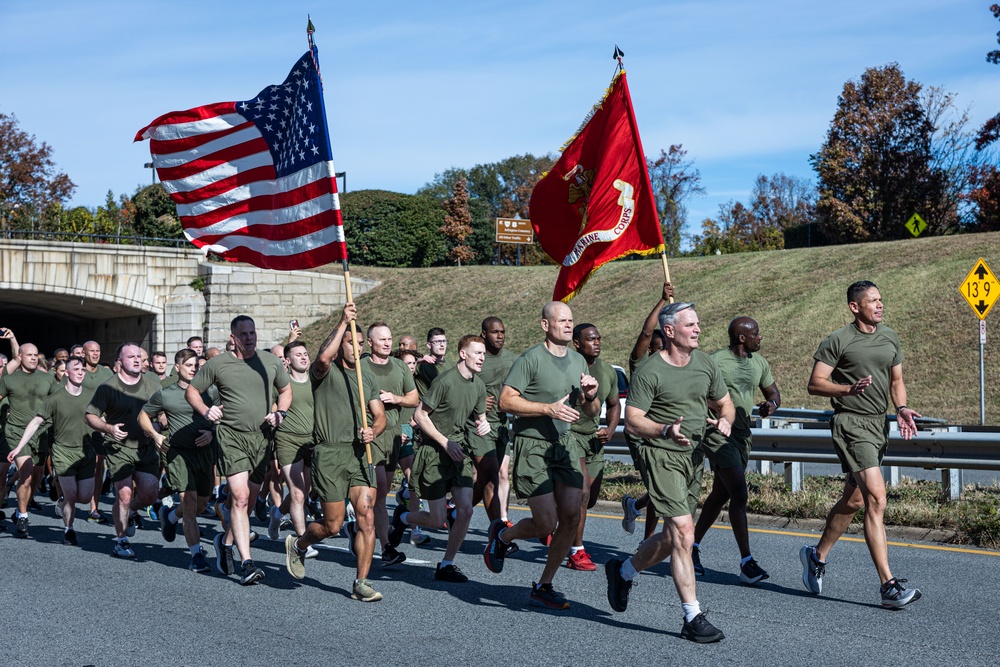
x=363, y=404
x=666, y=270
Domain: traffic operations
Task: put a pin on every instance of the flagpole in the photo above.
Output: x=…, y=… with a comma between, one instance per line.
x=663, y=253
x=310, y=29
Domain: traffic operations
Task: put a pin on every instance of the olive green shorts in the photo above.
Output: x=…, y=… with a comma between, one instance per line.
x=124, y=462
x=674, y=479
x=435, y=473
x=97, y=442
x=34, y=448
x=191, y=469
x=385, y=449
x=539, y=464
x=633, y=449
x=75, y=462
x=503, y=439
x=480, y=445
x=243, y=451
x=291, y=448
x=336, y=469
x=723, y=452
x=591, y=450
x=859, y=440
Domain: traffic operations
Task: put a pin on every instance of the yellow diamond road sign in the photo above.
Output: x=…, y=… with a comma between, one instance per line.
x=916, y=224
x=981, y=288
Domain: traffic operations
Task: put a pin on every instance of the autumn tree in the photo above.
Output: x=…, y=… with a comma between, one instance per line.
x=737, y=229
x=458, y=222
x=984, y=177
x=674, y=180
x=876, y=167
x=32, y=190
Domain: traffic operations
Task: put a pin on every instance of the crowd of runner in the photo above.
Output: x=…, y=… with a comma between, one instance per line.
x=309, y=442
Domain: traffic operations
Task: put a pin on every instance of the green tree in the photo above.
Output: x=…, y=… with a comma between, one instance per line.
x=155, y=213
x=876, y=166
x=393, y=229
x=738, y=229
x=32, y=190
x=674, y=180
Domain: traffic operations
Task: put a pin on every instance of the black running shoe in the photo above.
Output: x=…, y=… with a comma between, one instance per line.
x=199, y=563
x=397, y=527
x=167, y=529
x=390, y=557
x=69, y=538
x=260, y=509
x=496, y=549
x=21, y=527
x=701, y=631
x=223, y=555
x=543, y=595
x=618, y=588
x=251, y=574
x=449, y=573
x=751, y=572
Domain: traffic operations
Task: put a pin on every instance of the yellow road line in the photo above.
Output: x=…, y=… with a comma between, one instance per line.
x=847, y=538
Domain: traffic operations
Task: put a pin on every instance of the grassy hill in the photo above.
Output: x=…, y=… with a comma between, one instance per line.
x=797, y=296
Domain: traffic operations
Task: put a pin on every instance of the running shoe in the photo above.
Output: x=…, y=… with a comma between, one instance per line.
x=274, y=525
x=260, y=509
x=253, y=536
x=316, y=509
x=69, y=538
x=397, y=527
x=390, y=557
x=352, y=534
x=631, y=514
x=449, y=573
x=199, y=562
x=223, y=555
x=153, y=512
x=545, y=540
x=364, y=592
x=295, y=560
x=544, y=595
x=496, y=549
x=21, y=527
x=349, y=512
x=418, y=538
x=167, y=529
x=98, y=518
x=123, y=549
x=33, y=505
x=699, y=569
x=618, y=588
x=286, y=523
x=812, y=570
x=580, y=561
x=699, y=630
x=133, y=521
x=251, y=574
x=311, y=552
x=894, y=596
x=403, y=495
x=751, y=572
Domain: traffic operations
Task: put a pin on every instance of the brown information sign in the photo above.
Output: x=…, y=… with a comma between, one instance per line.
x=514, y=230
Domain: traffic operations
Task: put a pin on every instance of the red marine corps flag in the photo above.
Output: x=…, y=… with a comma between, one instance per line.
x=596, y=204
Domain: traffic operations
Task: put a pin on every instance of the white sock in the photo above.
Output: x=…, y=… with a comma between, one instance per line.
x=575, y=550
x=66, y=529
x=691, y=609
x=195, y=549
x=744, y=561
x=172, y=516
x=445, y=563
x=628, y=571
x=404, y=517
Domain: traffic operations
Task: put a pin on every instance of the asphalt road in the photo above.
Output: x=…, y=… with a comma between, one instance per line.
x=82, y=606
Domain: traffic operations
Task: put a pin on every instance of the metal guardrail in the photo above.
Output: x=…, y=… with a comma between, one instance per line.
x=82, y=237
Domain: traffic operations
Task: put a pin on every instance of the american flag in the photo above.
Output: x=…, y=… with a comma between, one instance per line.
x=254, y=181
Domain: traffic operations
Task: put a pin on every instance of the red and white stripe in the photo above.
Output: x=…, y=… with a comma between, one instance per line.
x=218, y=170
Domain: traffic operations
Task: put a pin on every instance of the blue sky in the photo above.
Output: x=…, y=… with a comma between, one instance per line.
x=413, y=88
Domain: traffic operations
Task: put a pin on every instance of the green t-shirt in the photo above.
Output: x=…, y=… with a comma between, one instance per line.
x=299, y=417
x=121, y=403
x=336, y=405
x=541, y=377
x=66, y=412
x=453, y=402
x=183, y=422
x=853, y=355
x=394, y=377
x=743, y=376
x=426, y=373
x=25, y=392
x=246, y=386
x=169, y=380
x=607, y=384
x=665, y=392
x=94, y=379
x=495, y=369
